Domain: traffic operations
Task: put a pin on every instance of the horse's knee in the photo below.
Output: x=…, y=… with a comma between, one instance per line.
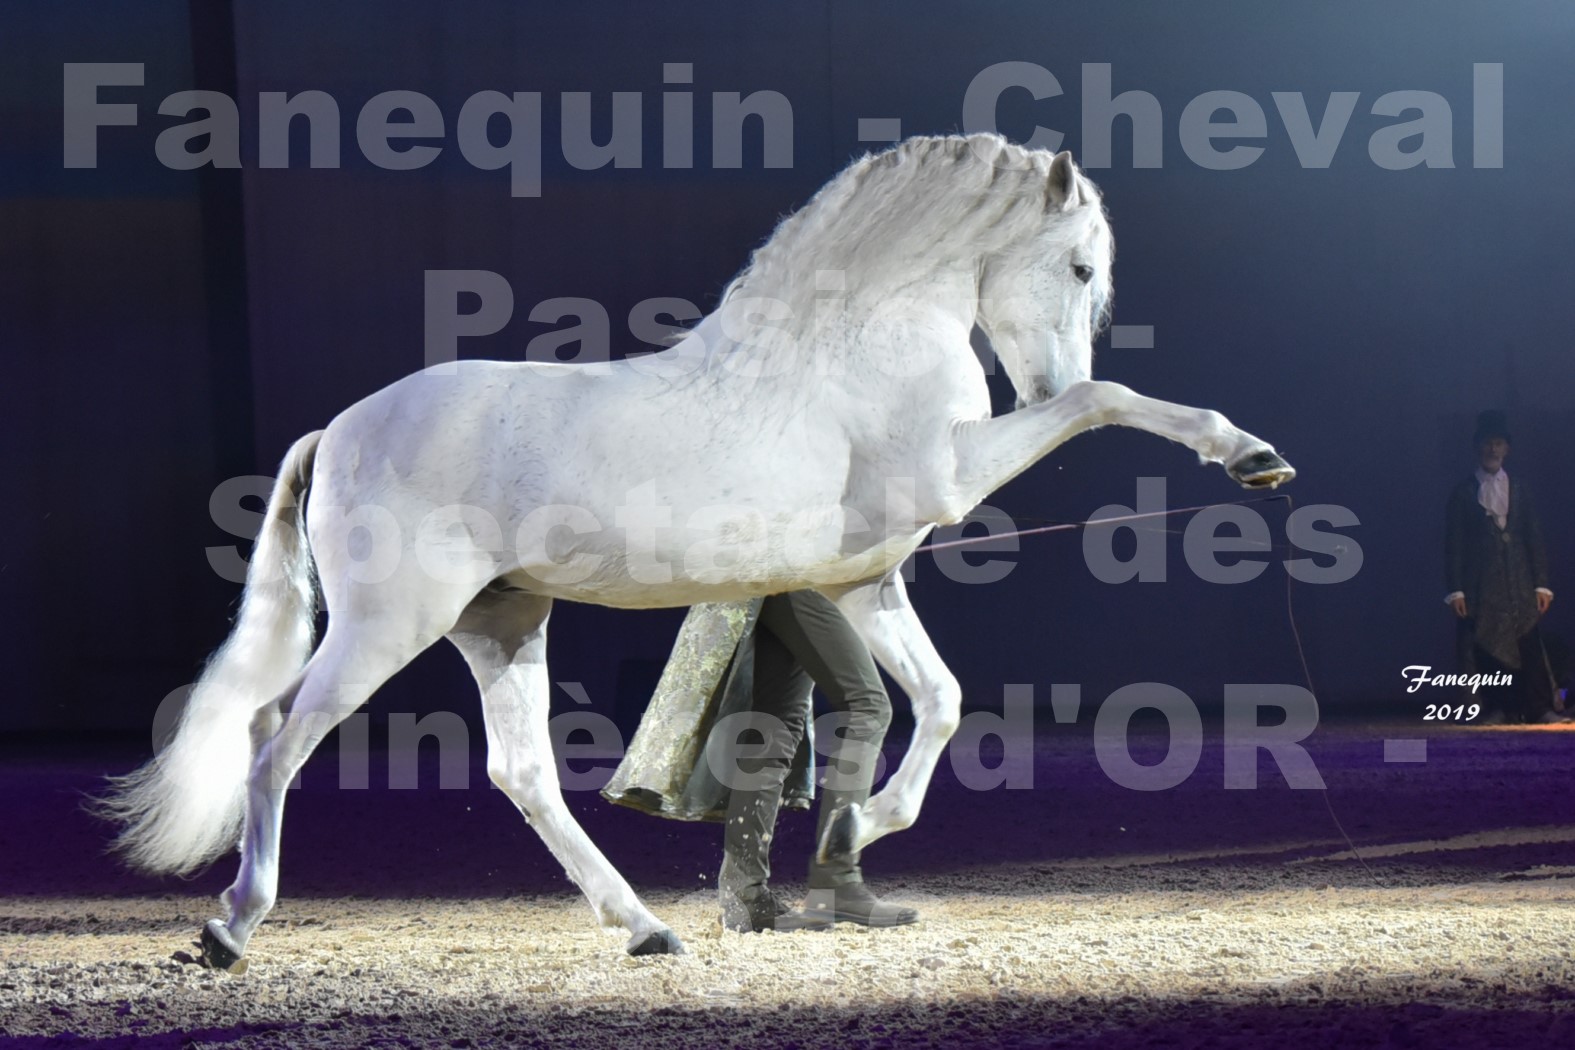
x=1084, y=395
x=945, y=713
x=1096, y=401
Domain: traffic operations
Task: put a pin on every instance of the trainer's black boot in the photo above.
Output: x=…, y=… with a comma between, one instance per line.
x=850, y=902
x=750, y=909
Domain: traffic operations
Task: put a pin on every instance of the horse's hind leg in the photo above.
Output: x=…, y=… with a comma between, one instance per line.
x=355, y=658
x=503, y=636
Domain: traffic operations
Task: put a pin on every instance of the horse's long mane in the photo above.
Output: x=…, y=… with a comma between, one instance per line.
x=941, y=200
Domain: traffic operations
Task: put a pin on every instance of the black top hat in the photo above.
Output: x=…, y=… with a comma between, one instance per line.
x=1490, y=424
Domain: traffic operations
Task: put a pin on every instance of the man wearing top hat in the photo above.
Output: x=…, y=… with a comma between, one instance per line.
x=1497, y=574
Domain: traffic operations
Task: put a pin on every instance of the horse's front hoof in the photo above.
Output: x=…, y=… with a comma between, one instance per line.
x=219, y=950
x=1261, y=470
x=841, y=837
x=662, y=942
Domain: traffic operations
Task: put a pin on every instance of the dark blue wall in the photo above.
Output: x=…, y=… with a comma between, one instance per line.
x=1355, y=316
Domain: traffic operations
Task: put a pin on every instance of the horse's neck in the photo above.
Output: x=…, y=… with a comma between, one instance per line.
x=880, y=337
x=913, y=332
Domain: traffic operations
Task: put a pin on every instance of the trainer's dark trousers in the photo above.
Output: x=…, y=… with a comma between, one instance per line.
x=802, y=638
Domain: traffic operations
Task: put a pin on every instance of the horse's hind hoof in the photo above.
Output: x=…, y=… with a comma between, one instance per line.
x=662, y=942
x=841, y=836
x=1261, y=470
x=219, y=950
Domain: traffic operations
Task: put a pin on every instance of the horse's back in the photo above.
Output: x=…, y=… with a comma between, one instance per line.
x=512, y=437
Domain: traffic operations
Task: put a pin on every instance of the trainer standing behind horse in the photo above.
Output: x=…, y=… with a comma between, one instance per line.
x=784, y=646
x=1497, y=572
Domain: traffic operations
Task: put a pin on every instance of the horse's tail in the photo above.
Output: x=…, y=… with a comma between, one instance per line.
x=185, y=807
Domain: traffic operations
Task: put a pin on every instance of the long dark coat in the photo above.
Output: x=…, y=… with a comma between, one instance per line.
x=708, y=676
x=1498, y=570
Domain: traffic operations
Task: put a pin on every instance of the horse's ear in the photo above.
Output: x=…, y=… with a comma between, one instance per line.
x=1062, y=193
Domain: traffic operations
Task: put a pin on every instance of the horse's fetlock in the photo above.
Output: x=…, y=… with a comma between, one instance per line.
x=246, y=906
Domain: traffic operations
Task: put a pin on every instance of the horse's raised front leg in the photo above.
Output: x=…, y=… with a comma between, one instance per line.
x=880, y=612
x=503, y=636
x=991, y=452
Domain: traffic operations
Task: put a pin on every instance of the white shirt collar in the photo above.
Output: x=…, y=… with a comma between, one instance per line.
x=1493, y=494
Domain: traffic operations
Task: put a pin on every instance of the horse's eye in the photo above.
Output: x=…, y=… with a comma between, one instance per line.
x=1082, y=273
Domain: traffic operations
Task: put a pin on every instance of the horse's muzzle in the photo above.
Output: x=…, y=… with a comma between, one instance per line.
x=1034, y=395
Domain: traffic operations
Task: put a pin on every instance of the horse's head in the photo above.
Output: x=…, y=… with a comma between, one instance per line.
x=1043, y=300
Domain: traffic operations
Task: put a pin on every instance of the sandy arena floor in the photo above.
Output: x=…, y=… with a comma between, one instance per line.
x=1230, y=933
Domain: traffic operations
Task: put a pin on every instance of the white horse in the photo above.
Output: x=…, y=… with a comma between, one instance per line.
x=810, y=432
